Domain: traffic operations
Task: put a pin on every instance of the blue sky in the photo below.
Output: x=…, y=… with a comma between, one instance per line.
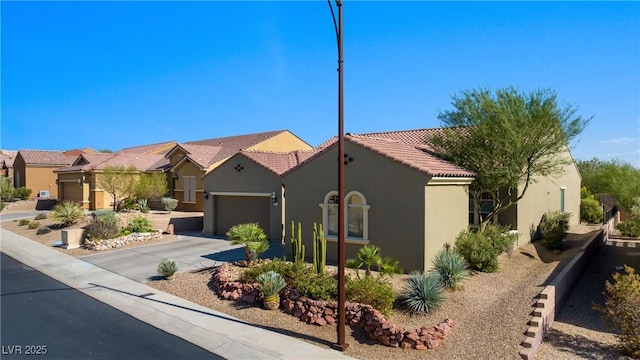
x=119, y=74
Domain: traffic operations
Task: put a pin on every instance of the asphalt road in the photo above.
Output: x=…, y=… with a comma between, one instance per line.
x=43, y=318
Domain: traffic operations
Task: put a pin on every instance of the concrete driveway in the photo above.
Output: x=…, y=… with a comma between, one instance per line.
x=189, y=251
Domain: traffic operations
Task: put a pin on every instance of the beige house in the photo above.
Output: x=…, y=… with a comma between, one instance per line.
x=190, y=161
x=34, y=169
x=6, y=163
x=247, y=188
x=77, y=182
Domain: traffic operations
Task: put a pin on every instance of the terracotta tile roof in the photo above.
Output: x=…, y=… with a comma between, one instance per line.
x=411, y=155
x=278, y=162
x=7, y=157
x=416, y=137
x=201, y=155
x=46, y=157
x=152, y=148
x=232, y=144
x=93, y=162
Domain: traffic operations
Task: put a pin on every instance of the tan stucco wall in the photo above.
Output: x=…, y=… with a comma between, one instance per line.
x=187, y=168
x=447, y=209
x=252, y=179
x=395, y=193
x=544, y=196
x=282, y=142
x=41, y=178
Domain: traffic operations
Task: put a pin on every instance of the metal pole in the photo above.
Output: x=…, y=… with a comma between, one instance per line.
x=341, y=344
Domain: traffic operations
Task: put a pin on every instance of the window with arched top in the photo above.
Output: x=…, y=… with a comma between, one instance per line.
x=356, y=216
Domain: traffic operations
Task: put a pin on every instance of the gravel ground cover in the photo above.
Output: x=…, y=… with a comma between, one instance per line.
x=491, y=311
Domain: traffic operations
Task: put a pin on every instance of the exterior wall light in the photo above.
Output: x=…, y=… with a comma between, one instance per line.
x=274, y=198
x=206, y=194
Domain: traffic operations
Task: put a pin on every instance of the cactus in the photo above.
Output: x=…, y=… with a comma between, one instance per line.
x=319, y=249
x=297, y=249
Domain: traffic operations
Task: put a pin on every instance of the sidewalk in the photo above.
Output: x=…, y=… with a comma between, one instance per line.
x=216, y=332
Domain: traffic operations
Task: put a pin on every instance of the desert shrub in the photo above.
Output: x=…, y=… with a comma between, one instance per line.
x=553, y=227
x=481, y=249
x=167, y=267
x=423, y=293
x=127, y=204
x=140, y=224
x=367, y=256
x=451, y=268
x=371, y=290
x=258, y=248
x=24, y=222
x=6, y=189
x=389, y=266
x=317, y=286
x=43, y=230
x=630, y=227
x=67, y=212
x=41, y=216
x=169, y=204
x=621, y=310
x=290, y=271
x=33, y=225
x=590, y=211
x=21, y=193
x=143, y=205
x=244, y=234
x=98, y=229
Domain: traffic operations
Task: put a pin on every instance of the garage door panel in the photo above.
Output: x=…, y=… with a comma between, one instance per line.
x=71, y=191
x=233, y=210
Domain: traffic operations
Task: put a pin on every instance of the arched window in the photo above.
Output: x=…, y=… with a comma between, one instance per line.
x=356, y=216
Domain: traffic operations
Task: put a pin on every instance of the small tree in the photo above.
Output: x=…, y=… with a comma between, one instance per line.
x=151, y=186
x=508, y=139
x=614, y=177
x=118, y=181
x=247, y=234
x=6, y=189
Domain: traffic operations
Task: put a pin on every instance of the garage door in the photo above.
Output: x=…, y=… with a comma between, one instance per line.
x=71, y=191
x=232, y=210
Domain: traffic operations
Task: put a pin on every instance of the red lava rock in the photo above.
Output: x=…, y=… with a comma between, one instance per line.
x=420, y=346
x=406, y=345
x=329, y=319
x=320, y=322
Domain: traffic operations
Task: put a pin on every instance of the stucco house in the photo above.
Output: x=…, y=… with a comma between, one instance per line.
x=247, y=188
x=190, y=161
x=399, y=196
x=77, y=182
x=34, y=169
x=7, y=158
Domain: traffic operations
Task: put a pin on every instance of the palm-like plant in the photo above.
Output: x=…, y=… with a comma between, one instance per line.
x=367, y=256
x=423, y=293
x=245, y=234
x=67, y=213
x=389, y=266
x=451, y=268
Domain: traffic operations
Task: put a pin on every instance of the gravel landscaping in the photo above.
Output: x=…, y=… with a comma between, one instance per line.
x=491, y=311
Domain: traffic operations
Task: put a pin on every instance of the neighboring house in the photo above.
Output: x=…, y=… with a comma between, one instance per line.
x=77, y=152
x=7, y=158
x=158, y=148
x=247, y=188
x=190, y=161
x=34, y=169
x=77, y=182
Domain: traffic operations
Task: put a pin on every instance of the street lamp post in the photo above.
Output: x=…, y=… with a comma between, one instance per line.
x=340, y=344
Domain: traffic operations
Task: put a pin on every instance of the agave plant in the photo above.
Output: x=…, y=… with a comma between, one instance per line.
x=67, y=212
x=167, y=268
x=423, y=293
x=451, y=268
x=271, y=283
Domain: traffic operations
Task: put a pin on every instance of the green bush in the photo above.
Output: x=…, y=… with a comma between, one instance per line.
x=169, y=204
x=6, y=189
x=553, y=227
x=140, y=224
x=24, y=222
x=451, y=268
x=258, y=248
x=43, y=230
x=481, y=249
x=389, y=266
x=21, y=193
x=371, y=290
x=291, y=271
x=630, y=227
x=98, y=229
x=317, y=286
x=423, y=293
x=41, y=216
x=67, y=213
x=590, y=211
x=33, y=225
x=167, y=267
x=621, y=310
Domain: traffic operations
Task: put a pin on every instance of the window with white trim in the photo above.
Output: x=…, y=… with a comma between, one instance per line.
x=356, y=215
x=189, y=189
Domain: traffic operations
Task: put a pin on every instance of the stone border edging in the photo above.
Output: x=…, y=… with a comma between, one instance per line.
x=553, y=296
x=325, y=312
